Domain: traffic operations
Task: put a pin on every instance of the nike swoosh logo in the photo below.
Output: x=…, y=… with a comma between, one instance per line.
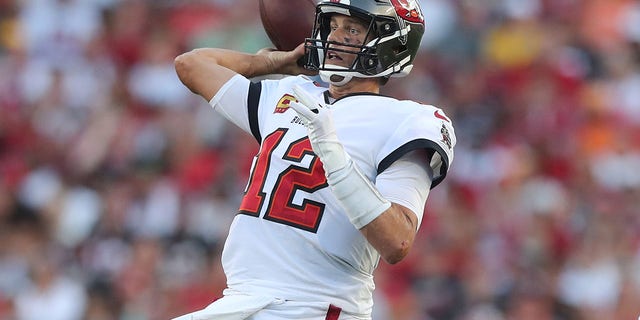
x=441, y=116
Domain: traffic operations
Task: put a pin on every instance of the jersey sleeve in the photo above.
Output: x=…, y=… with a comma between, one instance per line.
x=406, y=182
x=234, y=101
x=248, y=104
x=427, y=129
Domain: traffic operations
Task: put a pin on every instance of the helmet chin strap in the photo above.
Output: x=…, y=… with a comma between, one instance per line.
x=336, y=78
x=339, y=78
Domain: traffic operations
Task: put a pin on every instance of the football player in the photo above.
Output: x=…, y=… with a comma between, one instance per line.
x=343, y=173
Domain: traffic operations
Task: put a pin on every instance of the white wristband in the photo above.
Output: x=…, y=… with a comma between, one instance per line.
x=360, y=199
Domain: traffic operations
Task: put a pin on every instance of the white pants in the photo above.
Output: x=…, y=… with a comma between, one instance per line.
x=231, y=307
x=245, y=307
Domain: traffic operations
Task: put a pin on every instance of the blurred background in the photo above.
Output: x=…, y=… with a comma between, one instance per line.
x=117, y=185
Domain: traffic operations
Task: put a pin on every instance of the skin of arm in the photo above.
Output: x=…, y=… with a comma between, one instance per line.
x=392, y=233
x=204, y=71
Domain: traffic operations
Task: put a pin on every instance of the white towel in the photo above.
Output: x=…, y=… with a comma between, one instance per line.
x=231, y=307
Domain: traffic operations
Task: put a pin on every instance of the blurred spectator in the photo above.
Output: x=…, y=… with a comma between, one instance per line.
x=51, y=294
x=118, y=186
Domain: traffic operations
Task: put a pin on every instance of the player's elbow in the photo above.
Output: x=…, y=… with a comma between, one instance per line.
x=392, y=233
x=397, y=253
x=185, y=64
x=190, y=65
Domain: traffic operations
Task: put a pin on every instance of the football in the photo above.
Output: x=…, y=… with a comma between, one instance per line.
x=287, y=22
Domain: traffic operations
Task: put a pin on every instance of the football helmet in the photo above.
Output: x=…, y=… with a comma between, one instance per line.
x=395, y=29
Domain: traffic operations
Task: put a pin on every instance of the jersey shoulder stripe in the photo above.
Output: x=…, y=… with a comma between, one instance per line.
x=253, y=99
x=432, y=149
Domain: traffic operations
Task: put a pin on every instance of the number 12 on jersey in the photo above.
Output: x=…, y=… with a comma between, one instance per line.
x=294, y=178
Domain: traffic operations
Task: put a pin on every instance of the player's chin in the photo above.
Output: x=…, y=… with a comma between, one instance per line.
x=309, y=72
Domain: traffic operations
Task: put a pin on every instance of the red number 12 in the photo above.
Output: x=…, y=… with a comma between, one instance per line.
x=281, y=208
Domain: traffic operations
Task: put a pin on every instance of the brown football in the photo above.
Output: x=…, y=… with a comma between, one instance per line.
x=287, y=22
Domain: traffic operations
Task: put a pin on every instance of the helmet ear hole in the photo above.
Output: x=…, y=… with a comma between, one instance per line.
x=385, y=27
x=368, y=61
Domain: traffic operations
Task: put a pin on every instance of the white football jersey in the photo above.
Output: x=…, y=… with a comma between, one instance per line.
x=291, y=238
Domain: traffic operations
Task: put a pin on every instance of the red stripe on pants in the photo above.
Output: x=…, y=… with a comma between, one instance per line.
x=333, y=313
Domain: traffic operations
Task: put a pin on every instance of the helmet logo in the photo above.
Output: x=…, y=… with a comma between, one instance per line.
x=408, y=10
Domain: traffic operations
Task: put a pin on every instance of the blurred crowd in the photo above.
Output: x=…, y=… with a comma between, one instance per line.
x=117, y=185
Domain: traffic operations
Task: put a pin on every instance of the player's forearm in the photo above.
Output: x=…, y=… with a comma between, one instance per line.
x=248, y=65
x=205, y=71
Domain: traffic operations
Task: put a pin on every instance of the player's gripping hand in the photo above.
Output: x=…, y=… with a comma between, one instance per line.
x=358, y=196
x=318, y=119
x=286, y=62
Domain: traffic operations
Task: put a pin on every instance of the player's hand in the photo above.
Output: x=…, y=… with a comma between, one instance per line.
x=318, y=119
x=314, y=113
x=286, y=62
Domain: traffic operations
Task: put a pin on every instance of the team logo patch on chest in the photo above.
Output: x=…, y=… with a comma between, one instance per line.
x=283, y=103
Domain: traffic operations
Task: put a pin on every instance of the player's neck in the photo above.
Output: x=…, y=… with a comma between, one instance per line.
x=354, y=86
